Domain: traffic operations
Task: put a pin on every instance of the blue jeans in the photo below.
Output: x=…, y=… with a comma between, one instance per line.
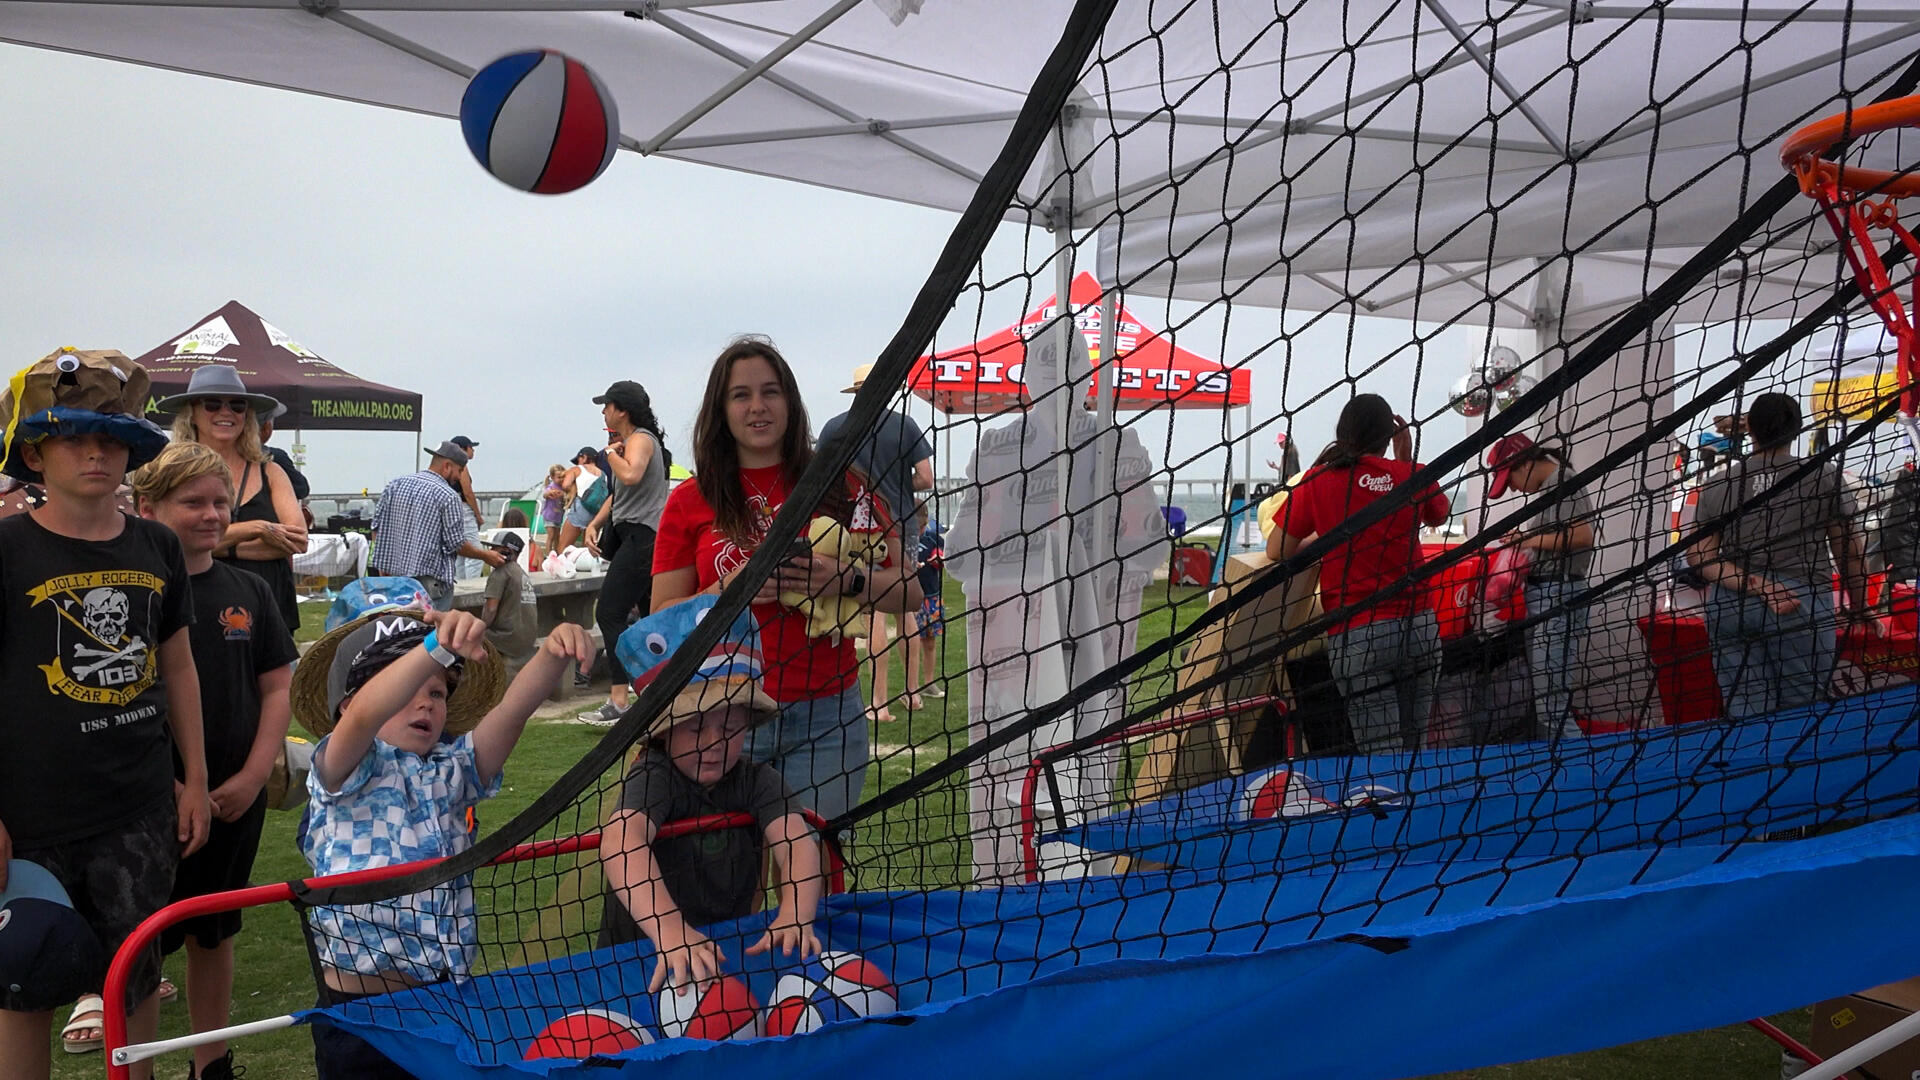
x=820, y=748
x=1553, y=651
x=1766, y=662
x=1387, y=670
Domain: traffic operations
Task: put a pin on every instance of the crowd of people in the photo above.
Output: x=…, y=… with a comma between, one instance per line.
x=169, y=653
x=159, y=646
x=1769, y=569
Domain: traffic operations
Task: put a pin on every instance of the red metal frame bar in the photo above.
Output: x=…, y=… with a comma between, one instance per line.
x=1029, y=787
x=113, y=995
x=1786, y=1041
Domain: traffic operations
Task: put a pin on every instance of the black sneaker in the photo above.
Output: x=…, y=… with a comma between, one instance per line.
x=223, y=1069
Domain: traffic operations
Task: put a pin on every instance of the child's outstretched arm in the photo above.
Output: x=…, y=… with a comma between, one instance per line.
x=685, y=956
x=494, y=737
x=388, y=692
x=796, y=851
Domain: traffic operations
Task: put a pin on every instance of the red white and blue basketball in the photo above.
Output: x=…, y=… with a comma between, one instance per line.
x=1281, y=793
x=837, y=986
x=721, y=1008
x=859, y=983
x=587, y=1033
x=540, y=121
x=801, y=1004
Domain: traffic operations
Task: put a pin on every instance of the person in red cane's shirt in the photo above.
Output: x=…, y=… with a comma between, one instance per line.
x=752, y=442
x=1386, y=655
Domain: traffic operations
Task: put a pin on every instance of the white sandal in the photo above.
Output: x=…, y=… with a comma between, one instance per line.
x=89, y=1015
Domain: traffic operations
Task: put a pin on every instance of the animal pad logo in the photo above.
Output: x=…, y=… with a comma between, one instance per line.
x=96, y=659
x=209, y=337
x=1378, y=483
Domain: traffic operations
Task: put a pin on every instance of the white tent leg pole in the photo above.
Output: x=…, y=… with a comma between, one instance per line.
x=1246, y=451
x=127, y=1055
x=1064, y=390
x=1106, y=450
x=1865, y=1050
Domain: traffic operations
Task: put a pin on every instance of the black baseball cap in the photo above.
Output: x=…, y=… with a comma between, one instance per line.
x=626, y=394
x=463, y=442
x=48, y=954
x=508, y=542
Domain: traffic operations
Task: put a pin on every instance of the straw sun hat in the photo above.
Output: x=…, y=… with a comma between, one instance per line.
x=319, y=680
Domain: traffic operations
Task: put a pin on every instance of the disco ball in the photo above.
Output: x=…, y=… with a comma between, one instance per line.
x=1502, y=364
x=1470, y=396
x=1512, y=390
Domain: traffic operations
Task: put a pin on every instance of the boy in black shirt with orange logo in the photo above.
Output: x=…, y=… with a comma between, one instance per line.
x=98, y=677
x=244, y=655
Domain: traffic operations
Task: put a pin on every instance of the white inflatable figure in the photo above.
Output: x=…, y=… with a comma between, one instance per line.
x=1053, y=598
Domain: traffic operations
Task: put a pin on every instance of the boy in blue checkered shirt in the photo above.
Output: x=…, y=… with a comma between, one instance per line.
x=386, y=788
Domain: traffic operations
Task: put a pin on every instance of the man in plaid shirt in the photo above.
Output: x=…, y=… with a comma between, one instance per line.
x=421, y=526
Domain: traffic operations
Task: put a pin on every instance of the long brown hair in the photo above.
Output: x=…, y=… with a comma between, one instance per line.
x=716, y=457
x=1366, y=426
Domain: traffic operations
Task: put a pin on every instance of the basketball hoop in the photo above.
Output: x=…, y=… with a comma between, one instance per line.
x=1856, y=201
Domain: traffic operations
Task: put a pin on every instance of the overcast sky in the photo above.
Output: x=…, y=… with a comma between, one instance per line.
x=134, y=201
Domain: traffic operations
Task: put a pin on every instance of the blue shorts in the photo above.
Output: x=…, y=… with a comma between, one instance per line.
x=577, y=515
x=932, y=618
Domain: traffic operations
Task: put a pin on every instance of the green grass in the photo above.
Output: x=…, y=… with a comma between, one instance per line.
x=550, y=908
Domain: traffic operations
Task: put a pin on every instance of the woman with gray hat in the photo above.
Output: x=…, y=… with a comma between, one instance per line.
x=268, y=529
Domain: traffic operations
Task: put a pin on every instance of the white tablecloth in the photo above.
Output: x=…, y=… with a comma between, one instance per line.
x=333, y=555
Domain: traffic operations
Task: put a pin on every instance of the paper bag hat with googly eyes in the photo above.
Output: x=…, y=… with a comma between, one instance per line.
x=77, y=392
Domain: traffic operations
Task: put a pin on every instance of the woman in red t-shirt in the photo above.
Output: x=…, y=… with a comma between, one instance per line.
x=1386, y=653
x=751, y=444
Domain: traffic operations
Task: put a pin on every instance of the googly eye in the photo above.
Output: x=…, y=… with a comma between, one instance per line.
x=657, y=644
x=701, y=615
x=68, y=364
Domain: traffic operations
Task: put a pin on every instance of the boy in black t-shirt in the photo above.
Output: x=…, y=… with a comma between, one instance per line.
x=98, y=676
x=244, y=655
x=691, y=767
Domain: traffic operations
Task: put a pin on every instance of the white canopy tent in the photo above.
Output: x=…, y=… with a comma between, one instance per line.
x=1410, y=158
x=841, y=94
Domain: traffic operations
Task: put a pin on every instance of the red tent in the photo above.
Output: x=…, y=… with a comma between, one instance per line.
x=318, y=395
x=986, y=375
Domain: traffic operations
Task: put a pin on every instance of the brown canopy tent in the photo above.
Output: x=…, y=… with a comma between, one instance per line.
x=319, y=396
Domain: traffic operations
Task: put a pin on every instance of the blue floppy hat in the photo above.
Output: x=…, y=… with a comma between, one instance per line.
x=729, y=675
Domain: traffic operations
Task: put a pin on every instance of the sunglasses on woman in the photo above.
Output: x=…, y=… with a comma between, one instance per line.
x=233, y=405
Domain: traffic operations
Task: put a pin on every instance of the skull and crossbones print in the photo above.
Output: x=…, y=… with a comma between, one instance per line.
x=103, y=614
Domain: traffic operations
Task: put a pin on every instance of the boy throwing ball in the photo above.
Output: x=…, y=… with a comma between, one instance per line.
x=387, y=788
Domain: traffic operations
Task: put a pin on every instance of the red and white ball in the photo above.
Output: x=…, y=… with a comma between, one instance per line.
x=721, y=1008
x=837, y=986
x=1281, y=793
x=588, y=1033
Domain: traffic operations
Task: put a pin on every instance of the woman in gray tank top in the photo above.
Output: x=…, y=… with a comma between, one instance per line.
x=622, y=532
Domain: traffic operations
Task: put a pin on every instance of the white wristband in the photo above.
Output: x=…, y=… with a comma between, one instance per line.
x=440, y=653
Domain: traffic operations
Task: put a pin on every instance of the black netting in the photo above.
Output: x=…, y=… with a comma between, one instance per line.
x=1667, y=632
